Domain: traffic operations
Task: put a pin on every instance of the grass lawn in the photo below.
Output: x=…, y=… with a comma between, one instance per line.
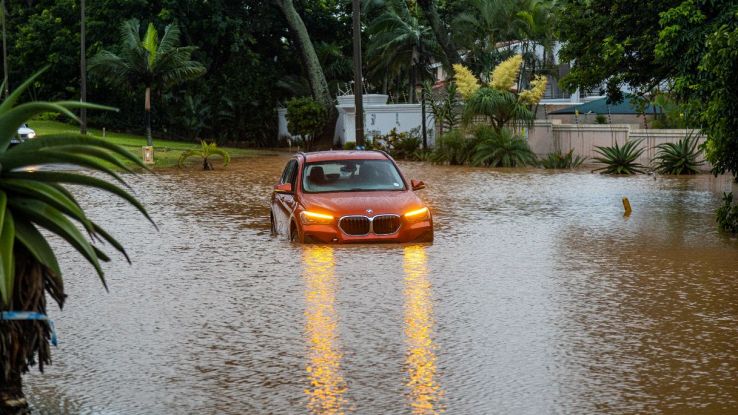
x=166, y=152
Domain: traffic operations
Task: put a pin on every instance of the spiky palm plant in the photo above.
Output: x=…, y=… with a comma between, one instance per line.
x=148, y=62
x=620, y=159
x=681, y=157
x=205, y=151
x=501, y=149
x=558, y=160
x=501, y=108
x=454, y=148
x=35, y=199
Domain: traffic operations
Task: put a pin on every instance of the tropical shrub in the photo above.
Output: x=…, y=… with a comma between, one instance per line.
x=454, y=148
x=306, y=118
x=499, y=107
x=558, y=160
x=501, y=148
x=601, y=119
x=32, y=200
x=620, y=160
x=727, y=214
x=400, y=145
x=681, y=157
x=205, y=151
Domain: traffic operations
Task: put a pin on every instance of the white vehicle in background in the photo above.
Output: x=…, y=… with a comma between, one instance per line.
x=24, y=133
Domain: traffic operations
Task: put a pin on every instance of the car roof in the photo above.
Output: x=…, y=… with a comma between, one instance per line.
x=344, y=155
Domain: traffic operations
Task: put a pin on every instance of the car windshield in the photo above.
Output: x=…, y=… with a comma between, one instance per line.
x=351, y=176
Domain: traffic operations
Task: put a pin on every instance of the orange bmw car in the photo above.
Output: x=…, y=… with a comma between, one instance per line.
x=348, y=197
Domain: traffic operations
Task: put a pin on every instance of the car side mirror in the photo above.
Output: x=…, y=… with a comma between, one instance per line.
x=283, y=188
x=417, y=184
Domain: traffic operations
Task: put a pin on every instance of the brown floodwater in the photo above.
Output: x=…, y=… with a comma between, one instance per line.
x=537, y=297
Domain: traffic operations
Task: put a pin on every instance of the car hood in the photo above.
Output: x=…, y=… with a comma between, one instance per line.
x=357, y=203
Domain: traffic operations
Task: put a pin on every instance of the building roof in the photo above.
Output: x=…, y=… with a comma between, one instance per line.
x=600, y=106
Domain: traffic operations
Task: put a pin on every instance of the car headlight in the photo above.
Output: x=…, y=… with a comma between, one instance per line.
x=32, y=134
x=314, y=218
x=417, y=215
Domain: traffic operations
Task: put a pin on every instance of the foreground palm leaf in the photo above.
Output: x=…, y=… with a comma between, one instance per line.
x=205, y=152
x=681, y=157
x=30, y=201
x=620, y=160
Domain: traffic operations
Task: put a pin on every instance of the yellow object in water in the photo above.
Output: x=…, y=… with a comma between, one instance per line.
x=626, y=206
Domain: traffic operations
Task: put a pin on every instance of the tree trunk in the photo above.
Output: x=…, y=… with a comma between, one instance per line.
x=147, y=108
x=430, y=10
x=316, y=77
x=83, y=71
x=24, y=341
x=6, y=88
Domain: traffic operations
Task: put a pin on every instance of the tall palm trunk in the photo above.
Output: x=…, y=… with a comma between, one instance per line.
x=147, y=108
x=316, y=77
x=26, y=340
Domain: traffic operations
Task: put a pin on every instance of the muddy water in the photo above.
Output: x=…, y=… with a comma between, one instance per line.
x=537, y=297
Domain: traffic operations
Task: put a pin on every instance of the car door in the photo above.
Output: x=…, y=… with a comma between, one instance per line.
x=284, y=203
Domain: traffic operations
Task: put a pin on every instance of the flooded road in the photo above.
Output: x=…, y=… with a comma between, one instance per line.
x=537, y=297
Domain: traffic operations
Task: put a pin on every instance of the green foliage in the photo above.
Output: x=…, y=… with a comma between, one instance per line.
x=727, y=214
x=32, y=200
x=698, y=41
x=454, y=148
x=501, y=108
x=501, y=148
x=205, y=151
x=620, y=159
x=681, y=157
x=557, y=160
x=306, y=118
x=400, y=145
x=612, y=42
x=601, y=119
x=444, y=105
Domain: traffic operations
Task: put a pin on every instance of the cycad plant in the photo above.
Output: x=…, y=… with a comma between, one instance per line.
x=37, y=199
x=501, y=149
x=147, y=62
x=558, y=160
x=620, y=159
x=205, y=151
x=681, y=157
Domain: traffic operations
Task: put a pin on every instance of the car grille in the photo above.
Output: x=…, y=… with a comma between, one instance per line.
x=386, y=224
x=355, y=225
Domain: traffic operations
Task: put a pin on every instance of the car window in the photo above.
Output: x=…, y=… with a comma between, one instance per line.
x=288, y=173
x=351, y=176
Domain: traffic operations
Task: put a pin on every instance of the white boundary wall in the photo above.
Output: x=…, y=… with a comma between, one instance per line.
x=549, y=136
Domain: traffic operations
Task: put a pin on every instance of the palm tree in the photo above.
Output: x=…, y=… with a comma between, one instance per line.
x=480, y=27
x=499, y=107
x=205, y=151
x=398, y=42
x=148, y=62
x=31, y=201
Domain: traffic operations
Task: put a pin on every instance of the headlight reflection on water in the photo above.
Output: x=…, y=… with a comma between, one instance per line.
x=327, y=386
x=426, y=393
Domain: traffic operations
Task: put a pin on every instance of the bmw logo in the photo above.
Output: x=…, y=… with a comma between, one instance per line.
x=369, y=211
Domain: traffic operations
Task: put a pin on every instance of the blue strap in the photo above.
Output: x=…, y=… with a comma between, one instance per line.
x=30, y=315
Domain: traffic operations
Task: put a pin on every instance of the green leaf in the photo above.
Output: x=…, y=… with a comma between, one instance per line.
x=7, y=258
x=31, y=238
x=53, y=220
x=72, y=178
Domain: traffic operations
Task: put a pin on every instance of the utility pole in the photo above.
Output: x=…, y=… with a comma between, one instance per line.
x=83, y=72
x=358, y=83
x=6, y=88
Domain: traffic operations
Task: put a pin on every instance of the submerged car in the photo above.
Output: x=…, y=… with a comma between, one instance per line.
x=348, y=197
